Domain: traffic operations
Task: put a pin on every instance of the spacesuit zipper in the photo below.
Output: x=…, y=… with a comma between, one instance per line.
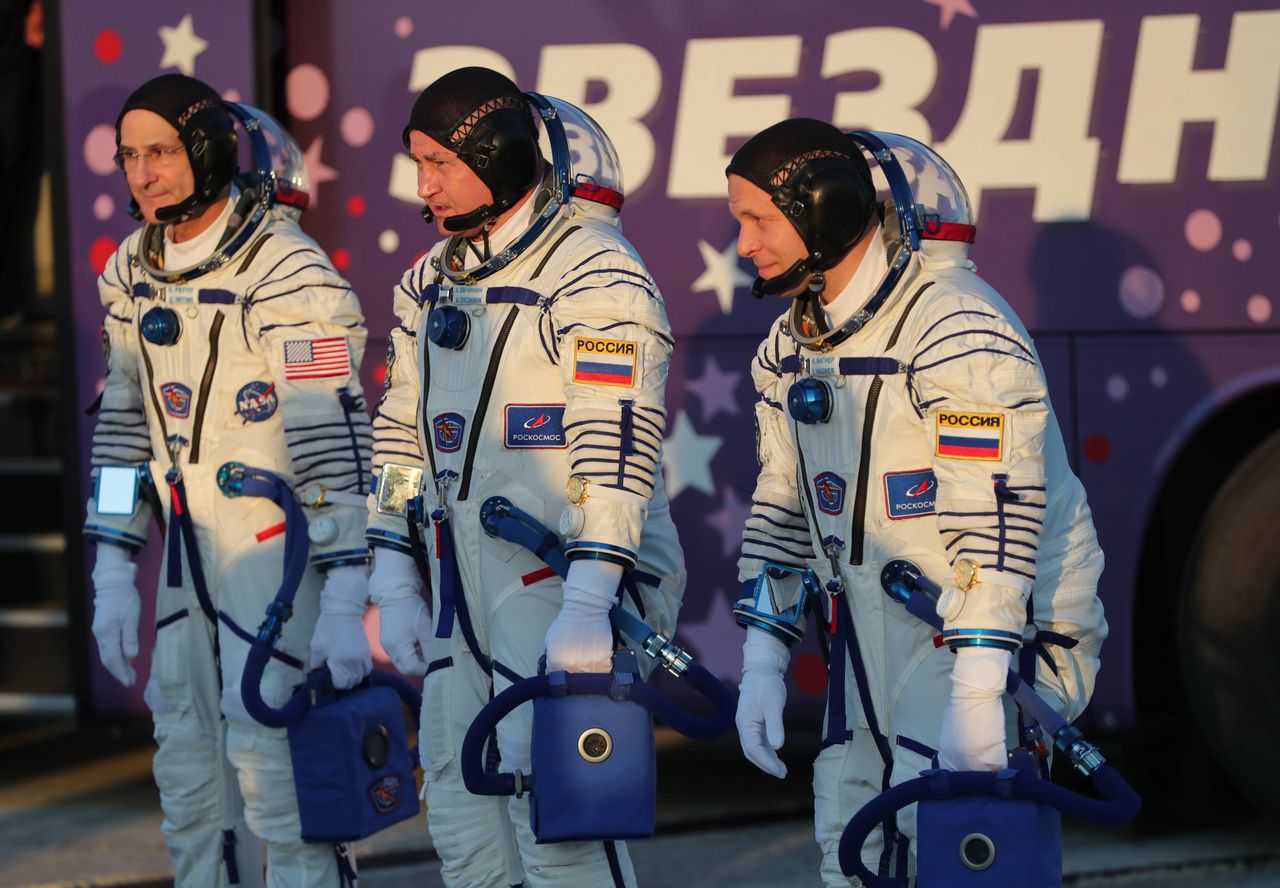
x=857, y=532
x=482, y=406
x=151, y=388
x=206, y=382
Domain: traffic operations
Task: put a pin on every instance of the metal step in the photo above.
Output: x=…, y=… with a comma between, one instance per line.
x=35, y=659
x=37, y=704
x=30, y=618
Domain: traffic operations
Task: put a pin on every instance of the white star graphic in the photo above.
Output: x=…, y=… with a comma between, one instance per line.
x=730, y=521
x=715, y=388
x=723, y=273
x=181, y=46
x=317, y=172
x=688, y=458
x=715, y=640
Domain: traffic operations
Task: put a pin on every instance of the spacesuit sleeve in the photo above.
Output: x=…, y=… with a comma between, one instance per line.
x=977, y=384
x=120, y=437
x=607, y=328
x=777, y=530
x=310, y=331
x=395, y=422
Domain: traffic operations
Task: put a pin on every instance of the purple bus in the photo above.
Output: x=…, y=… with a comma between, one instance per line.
x=1121, y=159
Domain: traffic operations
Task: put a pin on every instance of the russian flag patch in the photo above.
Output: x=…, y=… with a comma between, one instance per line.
x=604, y=361
x=970, y=435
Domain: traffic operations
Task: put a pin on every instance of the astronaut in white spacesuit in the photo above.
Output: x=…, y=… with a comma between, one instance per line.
x=529, y=362
x=229, y=339
x=903, y=414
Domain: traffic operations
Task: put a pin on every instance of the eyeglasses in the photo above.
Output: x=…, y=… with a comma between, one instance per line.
x=160, y=158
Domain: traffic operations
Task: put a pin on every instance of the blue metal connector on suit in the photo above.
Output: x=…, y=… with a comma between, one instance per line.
x=809, y=401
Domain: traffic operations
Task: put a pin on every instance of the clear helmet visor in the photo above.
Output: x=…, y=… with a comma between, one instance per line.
x=589, y=157
x=273, y=158
x=930, y=199
x=583, y=167
x=272, y=178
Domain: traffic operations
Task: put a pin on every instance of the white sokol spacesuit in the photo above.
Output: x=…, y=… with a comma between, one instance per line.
x=253, y=360
x=930, y=439
x=559, y=376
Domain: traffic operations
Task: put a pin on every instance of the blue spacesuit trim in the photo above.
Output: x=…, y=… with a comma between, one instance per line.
x=435, y=665
x=615, y=866
x=918, y=748
x=453, y=599
x=507, y=672
x=113, y=537
x=954, y=314
x=216, y=297
x=600, y=551
x=249, y=638
x=172, y=618
x=972, y=351
x=385, y=539
x=874, y=366
x=330, y=560
x=492, y=295
x=846, y=640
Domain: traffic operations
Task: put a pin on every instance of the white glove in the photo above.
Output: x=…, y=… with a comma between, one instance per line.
x=973, y=736
x=339, y=640
x=396, y=588
x=116, y=609
x=761, y=696
x=580, y=638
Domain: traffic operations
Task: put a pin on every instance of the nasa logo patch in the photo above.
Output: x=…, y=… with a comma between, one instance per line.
x=257, y=401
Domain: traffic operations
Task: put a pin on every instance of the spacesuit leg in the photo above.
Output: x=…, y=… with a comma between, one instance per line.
x=471, y=833
x=845, y=781
x=261, y=755
x=516, y=633
x=203, y=825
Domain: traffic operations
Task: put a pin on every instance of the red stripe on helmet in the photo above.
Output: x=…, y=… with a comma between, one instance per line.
x=949, y=231
x=599, y=194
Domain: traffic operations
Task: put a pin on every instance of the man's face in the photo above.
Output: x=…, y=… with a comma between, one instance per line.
x=155, y=163
x=764, y=234
x=447, y=185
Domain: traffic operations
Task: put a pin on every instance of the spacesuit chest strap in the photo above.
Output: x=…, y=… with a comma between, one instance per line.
x=462, y=295
x=829, y=365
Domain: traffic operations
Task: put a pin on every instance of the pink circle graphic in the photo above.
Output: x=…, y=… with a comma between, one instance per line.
x=403, y=26
x=1258, y=308
x=1203, y=230
x=100, y=149
x=231, y=95
x=306, y=91
x=103, y=206
x=1117, y=387
x=1242, y=250
x=357, y=127
x=1141, y=291
x=1190, y=301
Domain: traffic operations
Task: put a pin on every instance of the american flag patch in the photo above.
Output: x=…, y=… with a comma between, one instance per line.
x=970, y=435
x=317, y=358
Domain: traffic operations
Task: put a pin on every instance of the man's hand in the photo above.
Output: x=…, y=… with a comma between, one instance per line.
x=116, y=610
x=761, y=696
x=973, y=735
x=396, y=589
x=580, y=639
x=339, y=640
